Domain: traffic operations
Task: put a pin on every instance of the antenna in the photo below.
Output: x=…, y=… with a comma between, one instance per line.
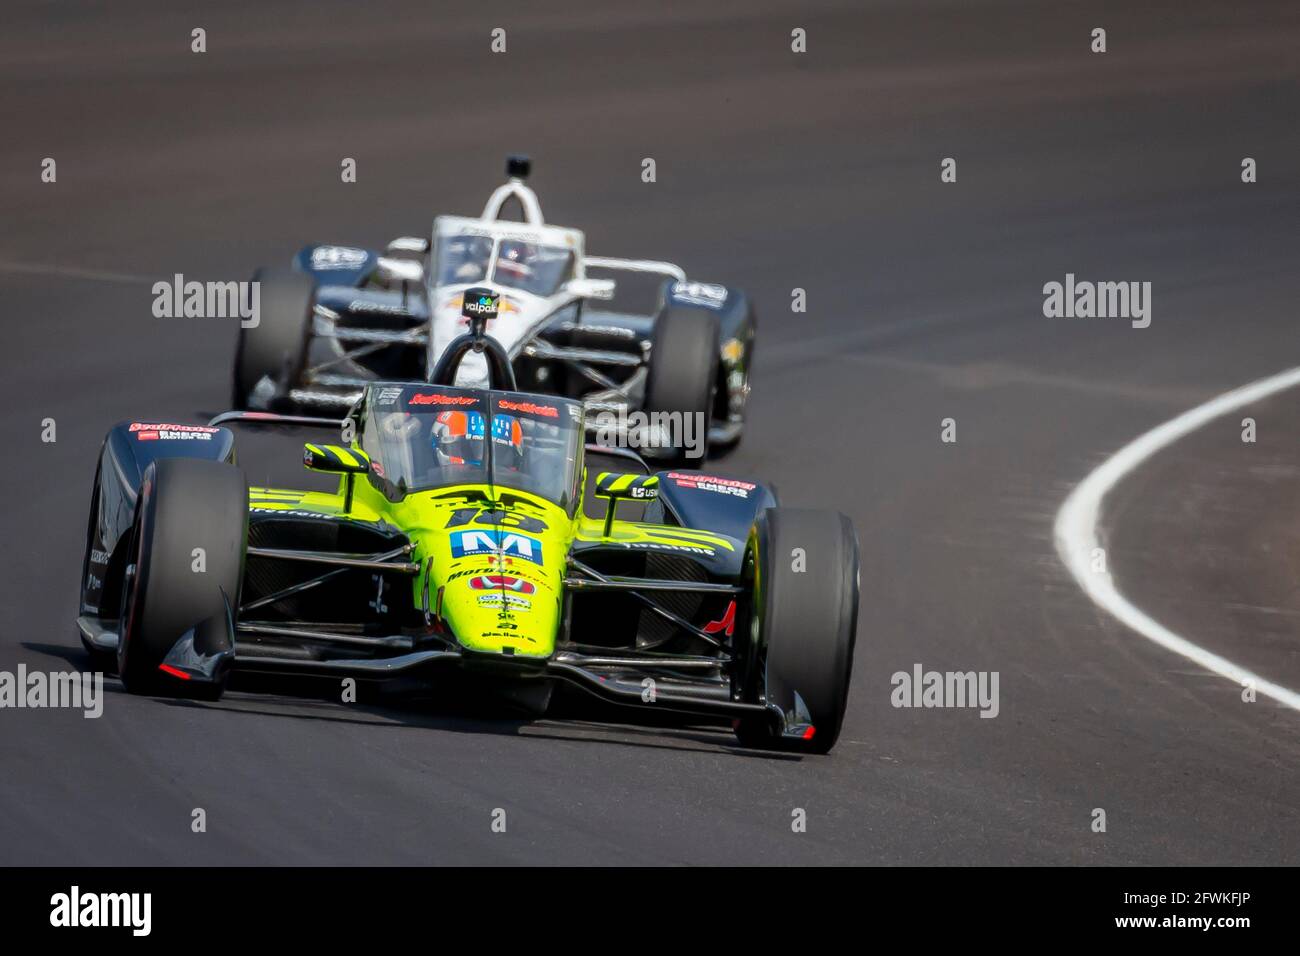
x=518, y=166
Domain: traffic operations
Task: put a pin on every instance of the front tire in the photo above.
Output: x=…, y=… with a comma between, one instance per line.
x=173, y=591
x=274, y=350
x=803, y=568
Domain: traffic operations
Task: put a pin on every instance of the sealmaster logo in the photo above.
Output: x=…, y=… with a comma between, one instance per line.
x=74, y=909
x=510, y=543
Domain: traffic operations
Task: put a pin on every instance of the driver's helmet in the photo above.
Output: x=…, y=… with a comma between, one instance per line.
x=516, y=258
x=466, y=258
x=458, y=437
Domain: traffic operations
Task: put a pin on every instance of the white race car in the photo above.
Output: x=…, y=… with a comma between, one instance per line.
x=342, y=317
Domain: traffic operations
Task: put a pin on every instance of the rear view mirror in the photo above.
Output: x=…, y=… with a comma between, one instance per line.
x=400, y=270
x=630, y=487
x=592, y=288
x=335, y=459
x=415, y=244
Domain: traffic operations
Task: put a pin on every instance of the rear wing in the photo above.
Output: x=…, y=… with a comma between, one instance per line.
x=271, y=418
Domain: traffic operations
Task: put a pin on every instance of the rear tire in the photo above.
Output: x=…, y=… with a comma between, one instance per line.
x=683, y=372
x=185, y=504
x=803, y=623
x=276, y=348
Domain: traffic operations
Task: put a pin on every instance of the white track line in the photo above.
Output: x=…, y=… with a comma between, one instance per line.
x=1077, y=524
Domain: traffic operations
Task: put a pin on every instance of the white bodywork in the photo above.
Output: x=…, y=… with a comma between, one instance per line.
x=522, y=312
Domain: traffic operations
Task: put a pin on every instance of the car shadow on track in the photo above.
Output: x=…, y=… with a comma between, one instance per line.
x=571, y=718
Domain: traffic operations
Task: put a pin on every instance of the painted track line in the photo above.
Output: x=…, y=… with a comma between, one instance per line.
x=1078, y=520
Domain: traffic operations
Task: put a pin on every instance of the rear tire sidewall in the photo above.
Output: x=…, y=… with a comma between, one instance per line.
x=277, y=345
x=684, y=355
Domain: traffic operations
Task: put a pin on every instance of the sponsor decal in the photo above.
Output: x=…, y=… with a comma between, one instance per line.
x=660, y=546
x=722, y=486
x=504, y=306
x=506, y=636
x=478, y=302
x=377, y=308
x=496, y=542
x=529, y=408
x=388, y=395
x=144, y=431
x=493, y=582
x=500, y=600
x=427, y=398
x=726, y=624
x=292, y=513
x=506, y=565
x=98, y=557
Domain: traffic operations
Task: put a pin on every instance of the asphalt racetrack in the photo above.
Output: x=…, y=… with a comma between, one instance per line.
x=775, y=171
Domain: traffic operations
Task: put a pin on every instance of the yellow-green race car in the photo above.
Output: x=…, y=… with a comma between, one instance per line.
x=473, y=540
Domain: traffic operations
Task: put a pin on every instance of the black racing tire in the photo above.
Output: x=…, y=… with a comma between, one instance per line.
x=184, y=504
x=277, y=346
x=802, y=623
x=100, y=660
x=682, y=375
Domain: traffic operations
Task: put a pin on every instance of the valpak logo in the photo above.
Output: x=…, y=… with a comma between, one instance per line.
x=75, y=909
x=1102, y=300
x=179, y=299
x=508, y=543
x=480, y=304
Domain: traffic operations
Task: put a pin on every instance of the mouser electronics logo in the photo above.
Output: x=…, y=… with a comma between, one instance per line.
x=509, y=543
x=480, y=304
